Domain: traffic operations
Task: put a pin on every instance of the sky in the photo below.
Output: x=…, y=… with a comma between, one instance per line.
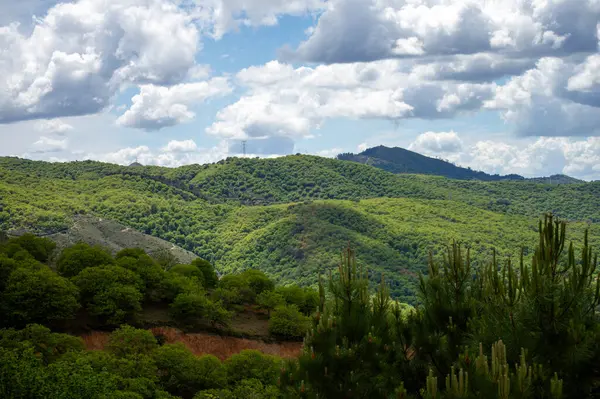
x=503, y=86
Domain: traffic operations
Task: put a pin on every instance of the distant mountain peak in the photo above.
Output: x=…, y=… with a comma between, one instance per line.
x=401, y=160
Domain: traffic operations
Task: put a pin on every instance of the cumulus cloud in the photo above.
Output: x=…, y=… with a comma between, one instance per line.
x=221, y=16
x=437, y=143
x=174, y=154
x=285, y=101
x=367, y=30
x=543, y=156
x=181, y=146
x=48, y=144
x=53, y=126
x=541, y=103
x=80, y=54
x=156, y=107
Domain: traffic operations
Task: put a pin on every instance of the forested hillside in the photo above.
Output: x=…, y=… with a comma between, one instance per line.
x=400, y=160
x=290, y=216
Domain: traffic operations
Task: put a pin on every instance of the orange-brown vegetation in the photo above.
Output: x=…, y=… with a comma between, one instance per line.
x=205, y=343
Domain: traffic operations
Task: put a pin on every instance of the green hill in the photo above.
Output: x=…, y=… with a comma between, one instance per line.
x=291, y=216
x=400, y=160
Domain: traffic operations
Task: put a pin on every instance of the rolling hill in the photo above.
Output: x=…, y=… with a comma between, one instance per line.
x=291, y=216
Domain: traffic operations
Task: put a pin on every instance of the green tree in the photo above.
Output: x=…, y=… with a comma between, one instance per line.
x=111, y=293
x=269, y=300
x=7, y=266
x=50, y=346
x=288, y=322
x=191, y=310
x=129, y=341
x=208, y=270
x=252, y=364
x=74, y=259
x=183, y=374
x=38, y=296
x=40, y=248
x=148, y=269
x=258, y=281
x=189, y=271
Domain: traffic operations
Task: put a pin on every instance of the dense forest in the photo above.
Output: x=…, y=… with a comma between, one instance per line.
x=290, y=216
x=523, y=329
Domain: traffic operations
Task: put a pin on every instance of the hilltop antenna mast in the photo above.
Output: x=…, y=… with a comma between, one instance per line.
x=244, y=147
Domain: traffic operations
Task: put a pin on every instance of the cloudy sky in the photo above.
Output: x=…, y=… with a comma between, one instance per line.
x=504, y=86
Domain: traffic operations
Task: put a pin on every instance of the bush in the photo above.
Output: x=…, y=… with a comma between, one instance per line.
x=74, y=259
x=288, y=322
x=174, y=284
x=269, y=300
x=210, y=276
x=149, y=271
x=258, y=281
x=182, y=373
x=228, y=297
x=254, y=389
x=50, y=346
x=7, y=266
x=38, y=296
x=111, y=293
x=215, y=394
x=238, y=283
x=127, y=341
x=252, y=364
x=306, y=299
x=190, y=310
x=188, y=271
x=38, y=247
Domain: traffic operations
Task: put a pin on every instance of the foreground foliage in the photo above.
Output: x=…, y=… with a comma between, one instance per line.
x=540, y=320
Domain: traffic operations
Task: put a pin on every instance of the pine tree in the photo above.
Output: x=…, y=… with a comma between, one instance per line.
x=549, y=308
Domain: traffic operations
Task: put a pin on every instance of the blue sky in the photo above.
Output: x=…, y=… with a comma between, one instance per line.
x=504, y=87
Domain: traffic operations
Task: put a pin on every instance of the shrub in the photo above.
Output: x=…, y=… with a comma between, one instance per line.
x=38, y=296
x=38, y=247
x=288, y=322
x=182, y=373
x=258, y=281
x=188, y=271
x=149, y=271
x=111, y=293
x=190, y=310
x=74, y=259
x=269, y=300
x=252, y=364
x=210, y=276
x=174, y=284
x=127, y=341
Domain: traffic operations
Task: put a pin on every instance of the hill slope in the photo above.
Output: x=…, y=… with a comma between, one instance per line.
x=291, y=216
x=400, y=160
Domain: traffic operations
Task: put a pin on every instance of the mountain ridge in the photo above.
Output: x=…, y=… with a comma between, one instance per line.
x=399, y=160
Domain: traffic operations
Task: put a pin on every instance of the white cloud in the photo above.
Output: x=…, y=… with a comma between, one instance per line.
x=53, y=126
x=222, y=16
x=437, y=143
x=170, y=157
x=156, y=107
x=47, y=144
x=180, y=146
x=541, y=103
x=366, y=30
x=283, y=101
x=79, y=54
x=543, y=156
